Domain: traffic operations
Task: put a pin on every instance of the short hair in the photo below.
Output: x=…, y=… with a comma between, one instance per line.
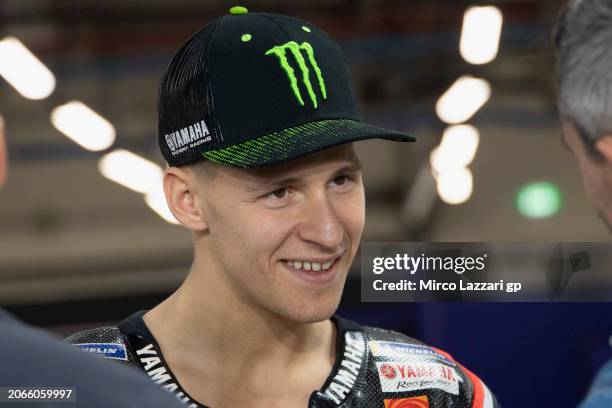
x=583, y=40
x=203, y=169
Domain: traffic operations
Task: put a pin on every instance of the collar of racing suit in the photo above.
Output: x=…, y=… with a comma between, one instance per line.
x=349, y=365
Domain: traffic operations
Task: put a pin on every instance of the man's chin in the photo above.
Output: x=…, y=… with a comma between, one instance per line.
x=314, y=312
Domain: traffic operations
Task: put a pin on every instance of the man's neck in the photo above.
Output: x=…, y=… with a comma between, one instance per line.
x=226, y=327
x=204, y=331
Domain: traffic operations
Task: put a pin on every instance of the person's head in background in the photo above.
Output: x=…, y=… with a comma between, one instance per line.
x=3, y=156
x=583, y=39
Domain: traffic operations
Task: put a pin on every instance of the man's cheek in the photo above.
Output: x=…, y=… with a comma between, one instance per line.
x=356, y=213
x=354, y=222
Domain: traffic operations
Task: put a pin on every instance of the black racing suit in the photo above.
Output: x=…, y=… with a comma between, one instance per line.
x=373, y=368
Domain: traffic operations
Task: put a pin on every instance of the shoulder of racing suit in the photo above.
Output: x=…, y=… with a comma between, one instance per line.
x=133, y=344
x=108, y=342
x=411, y=372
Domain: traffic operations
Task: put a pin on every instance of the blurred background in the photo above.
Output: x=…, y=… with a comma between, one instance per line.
x=82, y=245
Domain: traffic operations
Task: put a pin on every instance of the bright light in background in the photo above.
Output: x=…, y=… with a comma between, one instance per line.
x=140, y=175
x=20, y=68
x=156, y=200
x=436, y=162
x=539, y=200
x=457, y=148
x=131, y=170
x=455, y=187
x=83, y=125
x=480, y=34
x=463, y=99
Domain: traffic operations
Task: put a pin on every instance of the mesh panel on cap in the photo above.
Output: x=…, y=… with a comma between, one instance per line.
x=183, y=92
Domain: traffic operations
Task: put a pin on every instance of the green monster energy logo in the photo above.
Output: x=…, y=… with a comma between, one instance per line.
x=295, y=49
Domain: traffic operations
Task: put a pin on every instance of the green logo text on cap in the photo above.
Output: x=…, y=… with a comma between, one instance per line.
x=237, y=10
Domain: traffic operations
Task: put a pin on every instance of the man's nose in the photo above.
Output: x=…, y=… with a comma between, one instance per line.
x=321, y=224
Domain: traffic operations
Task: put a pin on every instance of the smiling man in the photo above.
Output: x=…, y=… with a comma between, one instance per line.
x=257, y=119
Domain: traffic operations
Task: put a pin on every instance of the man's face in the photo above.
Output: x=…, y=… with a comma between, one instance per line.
x=284, y=236
x=595, y=174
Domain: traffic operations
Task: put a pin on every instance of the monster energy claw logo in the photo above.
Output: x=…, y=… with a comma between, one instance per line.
x=295, y=49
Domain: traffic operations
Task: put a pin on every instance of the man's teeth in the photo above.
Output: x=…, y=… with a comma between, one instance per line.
x=308, y=266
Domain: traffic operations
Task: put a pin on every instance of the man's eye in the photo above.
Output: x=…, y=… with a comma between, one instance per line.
x=340, y=180
x=278, y=194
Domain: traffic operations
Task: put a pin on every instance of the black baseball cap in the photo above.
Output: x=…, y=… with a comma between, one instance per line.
x=254, y=89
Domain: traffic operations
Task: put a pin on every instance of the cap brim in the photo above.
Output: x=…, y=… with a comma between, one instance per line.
x=291, y=143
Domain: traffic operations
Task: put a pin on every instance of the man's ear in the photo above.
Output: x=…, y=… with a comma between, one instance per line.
x=604, y=147
x=3, y=154
x=180, y=190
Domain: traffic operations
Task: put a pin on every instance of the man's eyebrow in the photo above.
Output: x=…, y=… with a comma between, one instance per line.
x=271, y=185
x=258, y=187
x=264, y=186
x=353, y=167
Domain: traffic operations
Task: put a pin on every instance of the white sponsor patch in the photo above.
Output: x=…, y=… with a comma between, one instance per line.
x=399, y=377
x=115, y=351
x=188, y=137
x=390, y=350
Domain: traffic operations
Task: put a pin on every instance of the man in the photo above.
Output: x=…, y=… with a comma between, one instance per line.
x=584, y=43
x=31, y=359
x=583, y=38
x=256, y=120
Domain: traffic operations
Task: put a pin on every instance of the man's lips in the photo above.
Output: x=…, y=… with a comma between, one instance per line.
x=313, y=263
x=320, y=272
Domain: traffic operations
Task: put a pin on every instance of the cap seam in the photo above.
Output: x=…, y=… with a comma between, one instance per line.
x=269, y=17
